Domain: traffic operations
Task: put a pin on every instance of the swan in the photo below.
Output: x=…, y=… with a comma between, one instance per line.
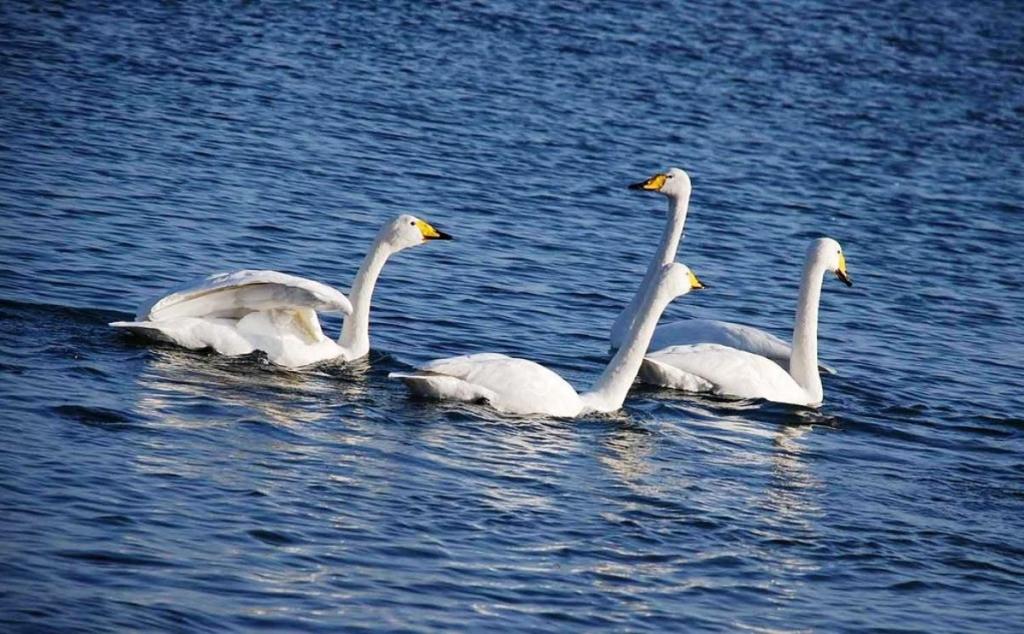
x=242, y=311
x=522, y=387
x=725, y=371
x=674, y=184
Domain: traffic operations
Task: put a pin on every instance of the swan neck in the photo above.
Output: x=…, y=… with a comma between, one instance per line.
x=355, y=334
x=611, y=387
x=803, y=364
x=674, y=222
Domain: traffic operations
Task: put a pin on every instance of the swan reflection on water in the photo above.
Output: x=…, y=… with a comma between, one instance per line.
x=225, y=389
x=750, y=459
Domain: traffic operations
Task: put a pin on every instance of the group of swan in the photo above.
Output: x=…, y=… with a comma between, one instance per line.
x=725, y=358
x=240, y=312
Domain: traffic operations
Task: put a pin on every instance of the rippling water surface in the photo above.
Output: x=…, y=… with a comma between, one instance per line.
x=147, y=487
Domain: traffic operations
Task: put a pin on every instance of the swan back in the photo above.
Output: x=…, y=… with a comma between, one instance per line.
x=739, y=336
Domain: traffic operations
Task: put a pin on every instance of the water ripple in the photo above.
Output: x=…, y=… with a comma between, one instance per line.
x=146, y=487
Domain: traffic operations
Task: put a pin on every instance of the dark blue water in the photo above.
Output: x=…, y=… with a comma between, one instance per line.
x=151, y=488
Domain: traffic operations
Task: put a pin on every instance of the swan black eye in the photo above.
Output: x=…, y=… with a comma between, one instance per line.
x=412, y=223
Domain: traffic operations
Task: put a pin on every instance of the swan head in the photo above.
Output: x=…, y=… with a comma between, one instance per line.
x=409, y=231
x=673, y=182
x=677, y=279
x=830, y=252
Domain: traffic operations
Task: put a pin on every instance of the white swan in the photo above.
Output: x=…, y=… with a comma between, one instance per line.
x=709, y=367
x=237, y=313
x=674, y=184
x=518, y=386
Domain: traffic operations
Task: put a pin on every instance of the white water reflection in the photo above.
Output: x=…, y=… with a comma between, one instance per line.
x=181, y=388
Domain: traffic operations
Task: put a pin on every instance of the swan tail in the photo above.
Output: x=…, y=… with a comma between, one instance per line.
x=442, y=387
x=191, y=333
x=143, y=328
x=654, y=372
x=783, y=362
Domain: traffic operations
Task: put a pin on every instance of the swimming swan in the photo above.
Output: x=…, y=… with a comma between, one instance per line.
x=237, y=313
x=709, y=367
x=674, y=184
x=518, y=386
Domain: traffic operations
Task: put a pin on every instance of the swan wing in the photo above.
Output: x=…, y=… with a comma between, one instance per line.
x=730, y=372
x=442, y=387
x=235, y=294
x=510, y=384
x=655, y=371
x=290, y=337
x=738, y=336
x=726, y=333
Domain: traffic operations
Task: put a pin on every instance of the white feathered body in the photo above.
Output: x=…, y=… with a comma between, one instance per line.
x=509, y=384
x=723, y=371
x=239, y=312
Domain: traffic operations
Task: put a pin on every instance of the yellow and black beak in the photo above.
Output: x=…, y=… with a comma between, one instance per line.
x=652, y=184
x=695, y=283
x=430, y=233
x=841, y=273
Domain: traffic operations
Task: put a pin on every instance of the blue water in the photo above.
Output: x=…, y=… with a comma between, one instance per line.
x=144, y=487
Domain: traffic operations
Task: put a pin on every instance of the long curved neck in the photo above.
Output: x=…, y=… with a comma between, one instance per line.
x=612, y=386
x=803, y=363
x=666, y=253
x=355, y=334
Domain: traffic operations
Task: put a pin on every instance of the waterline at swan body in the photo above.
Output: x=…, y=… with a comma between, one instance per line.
x=244, y=311
x=734, y=373
x=522, y=387
x=675, y=185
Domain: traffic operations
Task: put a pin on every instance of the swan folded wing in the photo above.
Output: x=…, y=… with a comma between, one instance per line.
x=738, y=336
x=442, y=387
x=726, y=333
x=655, y=372
x=509, y=384
x=732, y=372
x=233, y=295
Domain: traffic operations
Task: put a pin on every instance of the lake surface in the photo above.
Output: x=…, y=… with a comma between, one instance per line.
x=144, y=487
